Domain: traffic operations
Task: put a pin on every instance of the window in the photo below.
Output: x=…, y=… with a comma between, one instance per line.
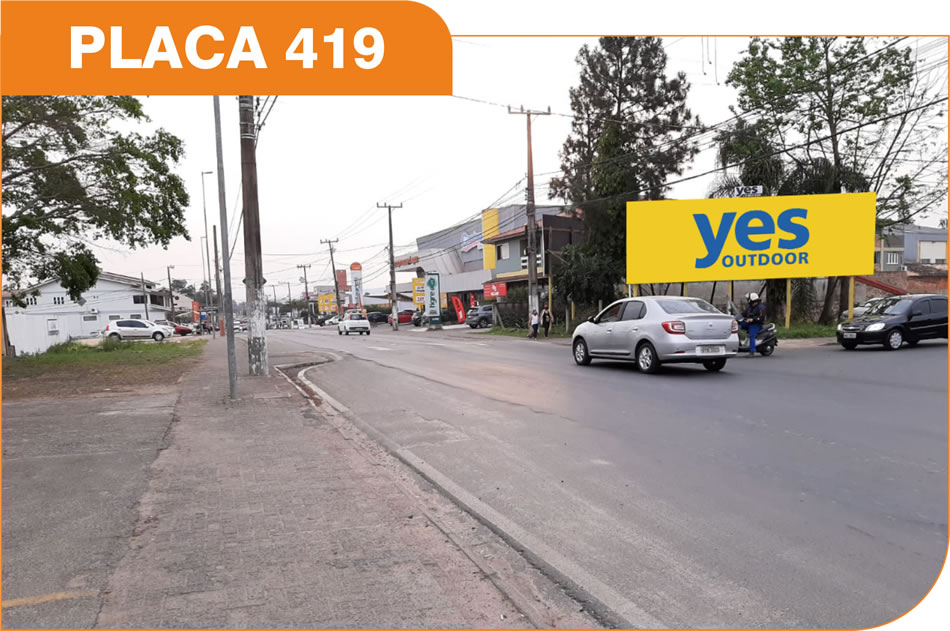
x=90, y=318
x=504, y=251
x=923, y=306
x=113, y=318
x=633, y=311
x=940, y=261
x=136, y=316
x=938, y=305
x=138, y=299
x=925, y=261
x=58, y=300
x=610, y=314
x=692, y=305
x=893, y=258
x=31, y=301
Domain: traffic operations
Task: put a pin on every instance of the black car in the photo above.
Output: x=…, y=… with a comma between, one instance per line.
x=377, y=317
x=896, y=320
x=479, y=317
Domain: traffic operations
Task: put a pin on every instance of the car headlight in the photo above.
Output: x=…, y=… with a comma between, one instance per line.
x=839, y=326
x=877, y=326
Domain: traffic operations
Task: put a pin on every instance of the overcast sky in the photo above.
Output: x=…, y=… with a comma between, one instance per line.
x=324, y=162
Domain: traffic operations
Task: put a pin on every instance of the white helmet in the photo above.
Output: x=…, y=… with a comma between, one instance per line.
x=753, y=297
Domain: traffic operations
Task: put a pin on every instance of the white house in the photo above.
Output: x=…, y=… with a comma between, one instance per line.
x=51, y=316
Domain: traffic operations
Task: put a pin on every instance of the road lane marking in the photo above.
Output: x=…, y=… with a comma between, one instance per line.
x=46, y=598
x=379, y=348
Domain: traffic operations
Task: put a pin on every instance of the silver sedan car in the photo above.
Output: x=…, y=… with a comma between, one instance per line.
x=655, y=330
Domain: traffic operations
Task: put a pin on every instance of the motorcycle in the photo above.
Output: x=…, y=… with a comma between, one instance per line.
x=765, y=341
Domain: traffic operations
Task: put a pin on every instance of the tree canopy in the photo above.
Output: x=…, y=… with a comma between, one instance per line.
x=74, y=173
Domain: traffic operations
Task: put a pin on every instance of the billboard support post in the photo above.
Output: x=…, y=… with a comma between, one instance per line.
x=788, y=302
x=850, y=298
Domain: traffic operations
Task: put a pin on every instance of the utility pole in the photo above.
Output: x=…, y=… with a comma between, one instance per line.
x=392, y=266
x=204, y=209
x=532, y=249
x=276, y=306
x=290, y=305
x=145, y=295
x=217, y=280
x=171, y=296
x=306, y=290
x=253, y=265
x=336, y=283
x=226, y=254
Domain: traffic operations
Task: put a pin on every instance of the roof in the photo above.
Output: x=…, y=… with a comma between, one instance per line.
x=111, y=276
x=507, y=235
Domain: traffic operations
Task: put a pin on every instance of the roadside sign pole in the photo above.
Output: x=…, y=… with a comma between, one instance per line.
x=788, y=302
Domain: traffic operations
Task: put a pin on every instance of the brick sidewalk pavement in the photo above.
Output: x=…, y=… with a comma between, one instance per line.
x=261, y=514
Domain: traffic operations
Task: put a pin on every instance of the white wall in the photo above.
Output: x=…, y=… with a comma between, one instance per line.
x=36, y=333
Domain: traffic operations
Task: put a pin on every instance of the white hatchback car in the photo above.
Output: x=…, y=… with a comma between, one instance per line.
x=353, y=322
x=655, y=330
x=137, y=329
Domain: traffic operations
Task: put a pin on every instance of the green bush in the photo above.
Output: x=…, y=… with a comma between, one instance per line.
x=111, y=344
x=64, y=347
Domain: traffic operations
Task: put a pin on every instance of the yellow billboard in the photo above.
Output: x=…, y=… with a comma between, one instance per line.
x=747, y=238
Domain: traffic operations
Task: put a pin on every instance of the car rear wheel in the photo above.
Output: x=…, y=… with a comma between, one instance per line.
x=115, y=336
x=894, y=340
x=849, y=346
x=714, y=365
x=158, y=336
x=581, y=353
x=646, y=358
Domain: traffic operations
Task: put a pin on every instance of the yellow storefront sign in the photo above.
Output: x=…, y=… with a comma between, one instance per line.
x=747, y=238
x=418, y=292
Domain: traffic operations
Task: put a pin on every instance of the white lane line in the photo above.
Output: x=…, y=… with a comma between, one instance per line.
x=379, y=348
x=433, y=344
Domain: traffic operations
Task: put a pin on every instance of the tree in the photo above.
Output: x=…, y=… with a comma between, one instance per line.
x=842, y=117
x=628, y=135
x=185, y=288
x=73, y=176
x=583, y=277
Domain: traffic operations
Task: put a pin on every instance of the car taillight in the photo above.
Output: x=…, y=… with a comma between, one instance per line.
x=735, y=326
x=676, y=327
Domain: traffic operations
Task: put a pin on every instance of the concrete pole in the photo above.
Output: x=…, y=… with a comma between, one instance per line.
x=226, y=257
x=788, y=302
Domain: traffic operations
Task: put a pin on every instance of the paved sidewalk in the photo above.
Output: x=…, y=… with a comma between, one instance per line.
x=259, y=513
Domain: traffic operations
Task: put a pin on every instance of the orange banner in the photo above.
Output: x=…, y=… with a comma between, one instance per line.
x=227, y=47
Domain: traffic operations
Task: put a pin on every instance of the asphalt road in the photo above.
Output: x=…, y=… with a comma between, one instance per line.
x=807, y=489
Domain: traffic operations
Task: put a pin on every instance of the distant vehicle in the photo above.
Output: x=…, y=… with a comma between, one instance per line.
x=895, y=320
x=332, y=321
x=136, y=329
x=654, y=330
x=405, y=316
x=479, y=317
x=376, y=317
x=239, y=327
x=353, y=322
x=177, y=329
x=861, y=309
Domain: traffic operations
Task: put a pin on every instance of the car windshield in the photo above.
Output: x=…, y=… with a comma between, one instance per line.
x=356, y=316
x=694, y=305
x=889, y=306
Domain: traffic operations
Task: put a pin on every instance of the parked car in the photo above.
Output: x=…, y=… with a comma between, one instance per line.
x=136, y=329
x=332, y=321
x=376, y=317
x=859, y=310
x=353, y=322
x=479, y=317
x=405, y=316
x=895, y=320
x=655, y=330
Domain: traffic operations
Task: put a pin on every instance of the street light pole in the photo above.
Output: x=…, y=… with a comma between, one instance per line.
x=204, y=209
x=171, y=296
x=226, y=256
x=306, y=289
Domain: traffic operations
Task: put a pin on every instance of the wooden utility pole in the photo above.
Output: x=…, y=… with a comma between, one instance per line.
x=392, y=266
x=532, y=249
x=171, y=296
x=253, y=264
x=290, y=305
x=336, y=283
x=226, y=253
x=306, y=289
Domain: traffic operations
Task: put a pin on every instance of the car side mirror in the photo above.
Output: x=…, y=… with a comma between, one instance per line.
x=591, y=319
x=917, y=313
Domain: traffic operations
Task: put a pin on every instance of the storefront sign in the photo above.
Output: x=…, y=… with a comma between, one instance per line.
x=433, y=307
x=750, y=238
x=496, y=290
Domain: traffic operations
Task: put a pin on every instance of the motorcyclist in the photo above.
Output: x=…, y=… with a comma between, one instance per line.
x=753, y=317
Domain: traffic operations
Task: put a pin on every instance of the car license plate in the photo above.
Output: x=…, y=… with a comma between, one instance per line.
x=711, y=350
x=849, y=336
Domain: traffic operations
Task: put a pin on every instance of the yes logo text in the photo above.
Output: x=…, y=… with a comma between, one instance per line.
x=754, y=232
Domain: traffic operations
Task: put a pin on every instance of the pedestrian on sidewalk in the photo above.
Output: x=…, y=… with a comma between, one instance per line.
x=547, y=319
x=535, y=321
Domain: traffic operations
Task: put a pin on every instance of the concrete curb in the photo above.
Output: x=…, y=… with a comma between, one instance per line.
x=605, y=603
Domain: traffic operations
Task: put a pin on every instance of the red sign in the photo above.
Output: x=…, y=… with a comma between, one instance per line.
x=356, y=267
x=459, y=309
x=496, y=290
